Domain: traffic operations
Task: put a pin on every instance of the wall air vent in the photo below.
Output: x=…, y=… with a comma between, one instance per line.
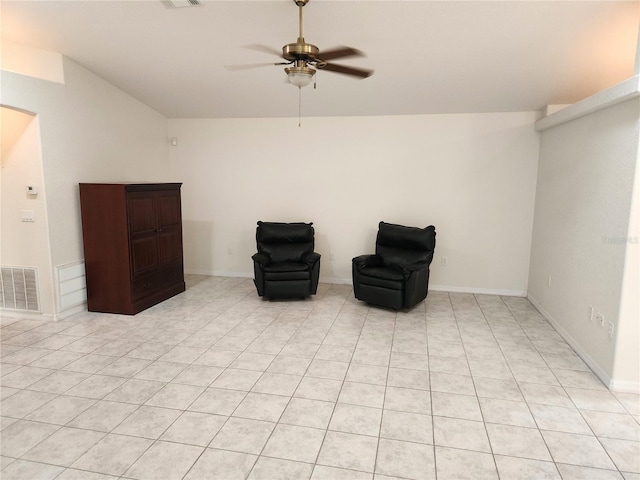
x=19, y=289
x=180, y=3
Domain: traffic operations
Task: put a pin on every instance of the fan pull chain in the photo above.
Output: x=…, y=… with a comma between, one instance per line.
x=299, y=106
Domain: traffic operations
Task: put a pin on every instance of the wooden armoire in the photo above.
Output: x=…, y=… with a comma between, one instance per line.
x=132, y=236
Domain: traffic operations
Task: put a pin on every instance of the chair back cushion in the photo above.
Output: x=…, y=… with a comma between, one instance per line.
x=285, y=242
x=400, y=246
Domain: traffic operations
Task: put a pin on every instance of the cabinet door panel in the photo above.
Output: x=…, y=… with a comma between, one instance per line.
x=168, y=209
x=169, y=246
x=161, y=280
x=144, y=255
x=144, y=288
x=142, y=216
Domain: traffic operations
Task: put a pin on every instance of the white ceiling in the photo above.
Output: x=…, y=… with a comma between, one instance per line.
x=428, y=56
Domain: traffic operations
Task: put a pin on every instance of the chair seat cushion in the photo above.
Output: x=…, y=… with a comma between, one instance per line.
x=386, y=277
x=287, y=271
x=286, y=267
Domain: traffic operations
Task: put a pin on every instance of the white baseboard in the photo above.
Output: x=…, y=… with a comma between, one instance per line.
x=611, y=383
x=624, y=386
x=52, y=317
x=217, y=273
x=71, y=311
x=232, y=274
x=347, y=281
x=479, y=291
x=336, y=280
x=26, y=314
x=442, y=288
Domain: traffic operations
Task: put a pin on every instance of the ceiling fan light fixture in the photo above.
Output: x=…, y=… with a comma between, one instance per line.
x=300, y=76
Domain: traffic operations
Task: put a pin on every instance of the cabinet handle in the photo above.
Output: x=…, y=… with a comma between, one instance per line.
x=159, y=230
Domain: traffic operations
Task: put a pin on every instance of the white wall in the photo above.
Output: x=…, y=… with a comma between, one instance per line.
x=90, y=132
x=32, y=62
x=581, y=237
x=24, y=244
x=472, y=176
x=626, y=366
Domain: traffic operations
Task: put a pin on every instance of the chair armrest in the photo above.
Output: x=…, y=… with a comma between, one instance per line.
x=363, y=261
x=416, y=277
x=311, y=258
x=261, y=259
x=414, y=267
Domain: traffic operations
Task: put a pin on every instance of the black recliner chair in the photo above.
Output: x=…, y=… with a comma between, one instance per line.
x=397, y=276
x=286, y=265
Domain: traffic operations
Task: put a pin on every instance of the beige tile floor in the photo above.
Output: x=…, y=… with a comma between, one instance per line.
x=218, y=384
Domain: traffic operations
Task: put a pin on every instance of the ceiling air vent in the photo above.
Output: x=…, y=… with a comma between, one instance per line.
x=180, y=3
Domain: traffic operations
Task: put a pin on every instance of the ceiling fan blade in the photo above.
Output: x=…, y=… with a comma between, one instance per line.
x=264, y=49
x=356, y=72
x=340, y=52
x=249, y=65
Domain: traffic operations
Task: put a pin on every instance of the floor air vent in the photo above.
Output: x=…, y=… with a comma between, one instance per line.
x=19, y=289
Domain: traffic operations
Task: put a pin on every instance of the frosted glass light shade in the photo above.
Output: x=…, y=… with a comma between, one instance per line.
x=300, y=76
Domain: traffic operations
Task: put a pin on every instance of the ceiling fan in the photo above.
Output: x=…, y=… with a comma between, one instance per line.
x=304, y=58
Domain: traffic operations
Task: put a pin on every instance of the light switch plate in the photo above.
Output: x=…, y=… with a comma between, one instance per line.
x=28, y=215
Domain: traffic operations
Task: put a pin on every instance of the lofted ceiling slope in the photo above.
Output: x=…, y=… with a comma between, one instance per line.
x=429, y=57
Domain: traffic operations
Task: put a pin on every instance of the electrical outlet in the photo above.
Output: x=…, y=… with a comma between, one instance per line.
x=444, y=261
x=610, y=330
x=600, y=319
x=589, y=313
x=229, y=251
